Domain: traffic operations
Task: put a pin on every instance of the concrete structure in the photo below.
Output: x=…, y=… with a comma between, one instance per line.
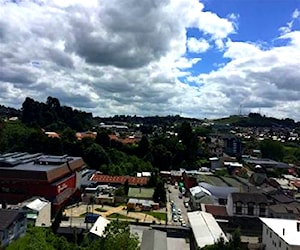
x=280, y=234
x=247, y=204
x=24, y=175
x=38, y=210
x=205, y=229
x=154, y=240
x=13, y=225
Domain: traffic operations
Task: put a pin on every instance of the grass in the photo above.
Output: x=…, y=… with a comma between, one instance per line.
x=119, y=216
x=99, y=209
x=157, y=215
x=140, y=192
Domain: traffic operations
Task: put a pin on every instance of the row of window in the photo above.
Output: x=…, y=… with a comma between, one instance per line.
x=250, y=208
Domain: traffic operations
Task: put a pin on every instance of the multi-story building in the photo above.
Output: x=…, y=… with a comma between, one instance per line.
x=23, y=176
x=281, y=234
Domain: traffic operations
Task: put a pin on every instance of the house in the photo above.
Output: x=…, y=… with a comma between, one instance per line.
x=247, y=205
x=13, y=225
x=280, y=234
x=199, y=196
x=38, y=211
x=285, y=211
x=140, y=204
x=206, y=230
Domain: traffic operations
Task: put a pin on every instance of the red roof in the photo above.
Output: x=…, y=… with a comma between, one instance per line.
x=216, y=210
x=120, y=179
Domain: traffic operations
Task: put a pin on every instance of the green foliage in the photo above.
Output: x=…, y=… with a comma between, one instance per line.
x=272, y=149
x=38, y=238
x=116, y=236
x=95, y=156
x=157, y=215
x=159, y=194
x=233, y=244
x=38, y=114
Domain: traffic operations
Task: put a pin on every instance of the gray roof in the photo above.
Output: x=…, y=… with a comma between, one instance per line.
x=154, y=240
x=220, y=192
x=249, y=197
x=7, y=217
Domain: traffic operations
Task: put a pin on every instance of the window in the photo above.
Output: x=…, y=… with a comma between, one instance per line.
x=250, y=208
x=238, y=207
x=262, y=209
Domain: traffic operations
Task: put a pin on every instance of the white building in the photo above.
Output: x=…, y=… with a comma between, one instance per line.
x=99, y=226
x=38, y=211
x=205, y=229
x=280, y=234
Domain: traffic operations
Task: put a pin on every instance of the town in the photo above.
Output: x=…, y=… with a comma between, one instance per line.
x=170, y=182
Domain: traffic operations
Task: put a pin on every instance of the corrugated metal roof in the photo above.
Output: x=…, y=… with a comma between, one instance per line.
x=205, y=228
x=99, y=226
x=37, y=205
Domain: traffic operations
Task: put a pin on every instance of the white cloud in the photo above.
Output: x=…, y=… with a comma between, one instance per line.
x=126, y=57
x=296, y=14
x=195, y=45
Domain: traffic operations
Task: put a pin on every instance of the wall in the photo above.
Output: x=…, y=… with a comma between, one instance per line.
x=44, y=216
x=273, y=242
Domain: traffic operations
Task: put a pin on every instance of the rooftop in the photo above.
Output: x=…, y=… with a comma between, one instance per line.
x=205, y=228
x=7, y=217
x=285, y=229
x=37, y=166
x=119, y=179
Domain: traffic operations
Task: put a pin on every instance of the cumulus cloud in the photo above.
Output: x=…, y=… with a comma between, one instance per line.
x=197, y=45
x=129, y=57
x=108, y=57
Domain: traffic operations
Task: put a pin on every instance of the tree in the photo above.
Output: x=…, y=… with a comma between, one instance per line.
x=126, y=187
x=143, y=147
x=117, y=236
x=272, y=149
x=95, y=156
x=159, y=194
x=102, y=139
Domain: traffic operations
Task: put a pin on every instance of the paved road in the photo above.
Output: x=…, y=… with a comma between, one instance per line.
x=173, y=195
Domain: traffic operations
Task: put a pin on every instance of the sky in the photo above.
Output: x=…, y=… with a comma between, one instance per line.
x=201, y=59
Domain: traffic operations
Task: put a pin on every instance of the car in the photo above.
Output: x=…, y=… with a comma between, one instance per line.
x=180, y=219
x=175, y=219
x=183, y=224
x=186, y=204
x=179, y=211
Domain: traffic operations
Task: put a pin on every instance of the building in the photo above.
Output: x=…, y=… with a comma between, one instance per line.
x=38, y=212
x=199, y=196
x=99, y=226
x=247, y=205
x=218, y=193
x=13, y=225
x=285, y=211
x=154, y=240
x=119, y=180
x=142, y=205
x=280, y=234
x=206, y=230
x=23, y=176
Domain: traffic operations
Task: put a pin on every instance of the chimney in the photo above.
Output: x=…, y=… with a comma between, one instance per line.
x=298, y=226
x=283, y=231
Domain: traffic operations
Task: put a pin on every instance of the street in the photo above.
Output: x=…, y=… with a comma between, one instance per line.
x=173, y=195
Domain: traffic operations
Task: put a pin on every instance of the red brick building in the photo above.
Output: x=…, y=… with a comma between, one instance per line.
x=23, y=176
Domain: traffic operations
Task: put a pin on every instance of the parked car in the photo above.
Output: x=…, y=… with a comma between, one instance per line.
x=183, y=224
x=186, y=204
x=179, y=211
